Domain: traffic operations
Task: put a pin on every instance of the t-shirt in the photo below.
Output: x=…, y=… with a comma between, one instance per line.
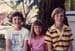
x=17, y=38
x=59, y=40
x=36, y=44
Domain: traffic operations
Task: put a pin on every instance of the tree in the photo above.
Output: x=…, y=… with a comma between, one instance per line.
x=46, y=7
x=10, y=3
x=71, y=4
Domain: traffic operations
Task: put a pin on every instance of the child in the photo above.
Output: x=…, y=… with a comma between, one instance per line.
x=36, y=41
x=17, y=36
x=59, y=36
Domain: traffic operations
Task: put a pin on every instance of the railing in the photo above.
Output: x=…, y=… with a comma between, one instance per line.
x=70, y=15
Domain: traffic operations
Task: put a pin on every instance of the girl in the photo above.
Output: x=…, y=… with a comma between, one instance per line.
x=36, y=41
x=17, y=36
x=59, y=36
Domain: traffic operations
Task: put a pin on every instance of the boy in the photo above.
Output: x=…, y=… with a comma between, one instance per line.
x=59, y=36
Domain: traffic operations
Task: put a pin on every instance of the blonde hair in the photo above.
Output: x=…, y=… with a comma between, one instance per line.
x=56, y=11
x=39, y=23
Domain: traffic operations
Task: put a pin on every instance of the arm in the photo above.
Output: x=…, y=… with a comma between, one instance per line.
x=29, y=48
x=49, y=46
x=25, y=42
x=48, y=41
x=8, y=45
x=29, y=45
x=25, y=46
x=45, y=47
x=70, y=47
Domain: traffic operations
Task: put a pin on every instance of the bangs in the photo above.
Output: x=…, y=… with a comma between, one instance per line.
x=38, y=23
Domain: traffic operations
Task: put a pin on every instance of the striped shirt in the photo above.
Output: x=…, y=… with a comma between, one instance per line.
x=59, y=40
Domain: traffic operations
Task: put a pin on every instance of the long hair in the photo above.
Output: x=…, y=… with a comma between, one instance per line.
x=38, y=23
x=59, y=10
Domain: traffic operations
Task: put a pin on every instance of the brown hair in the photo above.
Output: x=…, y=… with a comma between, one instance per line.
x=56, y=11
x=39, y=23
x=19, y=14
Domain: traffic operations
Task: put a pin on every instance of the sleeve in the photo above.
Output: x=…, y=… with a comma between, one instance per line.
x=48, y=37
x=26, y=36
x=70, y=36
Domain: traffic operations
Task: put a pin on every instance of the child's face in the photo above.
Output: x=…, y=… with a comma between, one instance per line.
x=37, y=29
x=16, y=21
x=59, y=18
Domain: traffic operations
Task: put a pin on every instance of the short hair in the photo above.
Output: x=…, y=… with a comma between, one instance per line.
x=19, y=14
x=56, y=11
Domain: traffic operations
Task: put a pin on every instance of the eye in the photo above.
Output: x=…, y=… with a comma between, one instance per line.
x=14, y=18
x=19, y=18
x=39, y=27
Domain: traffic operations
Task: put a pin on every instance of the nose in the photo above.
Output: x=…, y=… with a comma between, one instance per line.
x=37, y=28
x=17, y=20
